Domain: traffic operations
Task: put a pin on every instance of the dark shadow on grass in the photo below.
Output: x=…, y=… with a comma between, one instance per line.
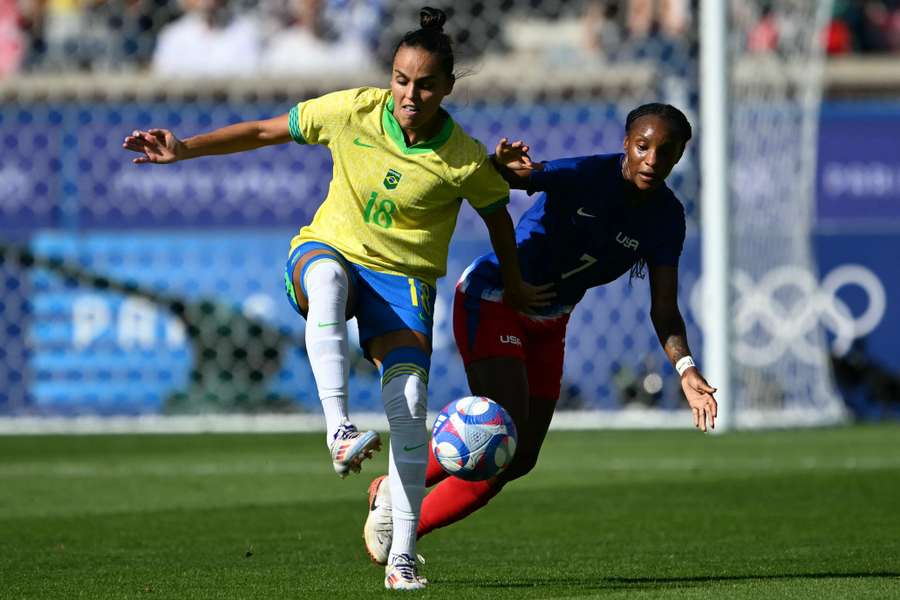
x=658, y=582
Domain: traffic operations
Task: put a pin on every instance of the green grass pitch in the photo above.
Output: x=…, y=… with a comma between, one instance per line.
x=785, y=514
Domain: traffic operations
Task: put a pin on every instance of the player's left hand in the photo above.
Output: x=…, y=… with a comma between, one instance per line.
x=526, y=297
x=513, y=155
x=700, y=397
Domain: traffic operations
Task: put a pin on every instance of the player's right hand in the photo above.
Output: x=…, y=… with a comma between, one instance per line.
x=156, y=146
x=513, y=155
x=527, y=298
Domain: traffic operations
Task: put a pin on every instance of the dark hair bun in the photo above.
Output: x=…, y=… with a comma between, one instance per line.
x=432, y=18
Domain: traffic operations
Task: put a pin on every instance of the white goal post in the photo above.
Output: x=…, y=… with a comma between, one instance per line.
x=760, y=106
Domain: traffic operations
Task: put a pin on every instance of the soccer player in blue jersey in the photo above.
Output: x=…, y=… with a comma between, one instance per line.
x=597, y=218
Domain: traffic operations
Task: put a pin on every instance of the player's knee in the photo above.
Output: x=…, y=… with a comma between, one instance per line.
x=491, y=488
x=404, y=381
x=325, y=273
x=522, y=464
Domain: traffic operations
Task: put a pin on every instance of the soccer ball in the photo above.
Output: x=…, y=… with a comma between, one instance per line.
x=473, y=438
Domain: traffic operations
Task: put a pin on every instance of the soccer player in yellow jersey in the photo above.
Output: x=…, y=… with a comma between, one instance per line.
x=376, y=246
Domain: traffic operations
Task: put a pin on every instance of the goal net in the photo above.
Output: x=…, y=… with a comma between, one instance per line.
x=156, y=291
x=781, y=357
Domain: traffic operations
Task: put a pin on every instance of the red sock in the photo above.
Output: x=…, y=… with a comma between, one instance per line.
x=454, y=499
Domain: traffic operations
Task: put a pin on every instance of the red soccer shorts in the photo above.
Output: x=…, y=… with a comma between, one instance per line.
x=486, y=329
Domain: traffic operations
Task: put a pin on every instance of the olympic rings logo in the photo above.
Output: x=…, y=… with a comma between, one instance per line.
x=781, y=313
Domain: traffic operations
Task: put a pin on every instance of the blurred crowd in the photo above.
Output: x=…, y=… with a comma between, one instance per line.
x=189, y=37
x=220, y=38
x=856, y=26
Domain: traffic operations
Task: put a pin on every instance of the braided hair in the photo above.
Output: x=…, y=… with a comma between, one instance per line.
x=431, y=37
x=672, y=115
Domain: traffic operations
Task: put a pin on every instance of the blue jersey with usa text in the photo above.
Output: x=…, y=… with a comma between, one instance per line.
x=582, y=232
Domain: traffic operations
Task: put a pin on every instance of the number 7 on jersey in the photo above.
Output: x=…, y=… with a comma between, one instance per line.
x=586, y=261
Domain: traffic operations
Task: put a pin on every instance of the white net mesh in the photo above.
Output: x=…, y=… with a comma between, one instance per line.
x=781, y=358
x=169, y=299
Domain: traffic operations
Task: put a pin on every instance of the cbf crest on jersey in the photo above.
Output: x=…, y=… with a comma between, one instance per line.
x=392, y=179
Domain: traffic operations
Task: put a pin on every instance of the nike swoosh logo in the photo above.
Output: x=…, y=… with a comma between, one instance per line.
x=328, y=324
x=581, y=212
x=359, y=143
x=411, y=448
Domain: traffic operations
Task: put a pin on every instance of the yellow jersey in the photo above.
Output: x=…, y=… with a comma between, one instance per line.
x=392, y=207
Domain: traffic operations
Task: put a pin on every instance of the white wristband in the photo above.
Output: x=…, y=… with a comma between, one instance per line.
x=684, y=363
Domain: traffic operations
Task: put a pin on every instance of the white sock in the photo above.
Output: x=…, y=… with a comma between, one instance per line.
x=326, y=339
x=405, y=399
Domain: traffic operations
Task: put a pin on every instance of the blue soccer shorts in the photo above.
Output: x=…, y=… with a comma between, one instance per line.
x=383, y=302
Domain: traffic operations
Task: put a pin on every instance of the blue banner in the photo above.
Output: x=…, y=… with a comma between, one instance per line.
x=858, y=181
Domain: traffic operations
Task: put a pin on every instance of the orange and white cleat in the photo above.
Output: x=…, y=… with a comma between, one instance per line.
x=379, y=528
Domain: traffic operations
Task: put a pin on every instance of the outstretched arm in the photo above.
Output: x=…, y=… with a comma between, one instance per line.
x=162, y=147
x=517, y=293
x=670, y=329
x=512, y=161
